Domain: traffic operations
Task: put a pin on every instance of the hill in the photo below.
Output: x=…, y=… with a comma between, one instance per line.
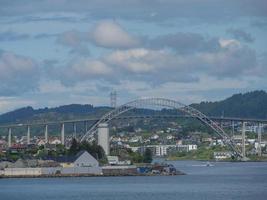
x=248, y=105
x=65, y=112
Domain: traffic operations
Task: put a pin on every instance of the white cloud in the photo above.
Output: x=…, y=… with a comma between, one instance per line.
x=107, y=34
x=110, y=34
x=133, y=60
x=229, y=43
x=88, y=68
x=157, y=67
x=184, y=42
x=18, y=74
x=185, y=92
x=82, y=69
x=233, y=60
x=11, y=103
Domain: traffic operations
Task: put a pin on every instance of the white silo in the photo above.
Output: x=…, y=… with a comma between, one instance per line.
x=103, y=137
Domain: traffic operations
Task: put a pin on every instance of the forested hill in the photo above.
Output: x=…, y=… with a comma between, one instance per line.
x=248, y=105
x=58, y=113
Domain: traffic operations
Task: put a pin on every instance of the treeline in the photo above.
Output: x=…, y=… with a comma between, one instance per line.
x=134, y=157
x=248, y=105
x=95, y=150
x=28, y=114
x=42, y=152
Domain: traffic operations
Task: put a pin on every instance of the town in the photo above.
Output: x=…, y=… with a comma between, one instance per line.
x=123, y=148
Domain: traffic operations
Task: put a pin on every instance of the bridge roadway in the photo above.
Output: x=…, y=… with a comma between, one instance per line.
x=40, y=123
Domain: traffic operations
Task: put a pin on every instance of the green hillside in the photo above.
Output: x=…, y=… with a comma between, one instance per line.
x=248, y=105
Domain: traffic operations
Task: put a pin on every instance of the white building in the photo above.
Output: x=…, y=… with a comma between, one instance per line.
x=103, y=137
x=113, y=160
x=84, y=159
x=161, y=150
x=154, y=137
x=135, y=139
x=55, y=141
x=222, y=155
x=185, y=147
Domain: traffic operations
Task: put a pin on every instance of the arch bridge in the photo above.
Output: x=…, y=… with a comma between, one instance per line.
x=162, y=102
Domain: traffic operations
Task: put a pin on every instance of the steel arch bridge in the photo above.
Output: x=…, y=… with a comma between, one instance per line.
x=162, y=102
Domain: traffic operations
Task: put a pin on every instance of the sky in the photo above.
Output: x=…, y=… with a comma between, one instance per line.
x=57, y=52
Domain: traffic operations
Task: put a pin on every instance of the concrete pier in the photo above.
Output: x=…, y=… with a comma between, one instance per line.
x=46, y=133
x=63, y=134
x=9, y=137
x=28, y=135
x=259, y=138
x=243, y=139
x=85, y=126
x=74, y=130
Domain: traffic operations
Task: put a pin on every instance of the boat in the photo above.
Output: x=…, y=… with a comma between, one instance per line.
x=208, y=164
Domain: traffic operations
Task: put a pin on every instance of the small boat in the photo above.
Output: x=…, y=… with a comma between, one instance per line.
x=208, y=164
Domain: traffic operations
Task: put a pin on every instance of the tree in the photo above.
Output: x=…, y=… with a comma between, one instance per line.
x=136, y=157
x=148, y=156
x=74, y=148
x=94, y=149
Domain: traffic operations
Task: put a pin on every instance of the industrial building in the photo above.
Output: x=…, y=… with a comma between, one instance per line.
x=82, y=163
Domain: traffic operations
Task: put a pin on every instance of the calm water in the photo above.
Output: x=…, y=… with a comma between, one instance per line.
x=222, y=181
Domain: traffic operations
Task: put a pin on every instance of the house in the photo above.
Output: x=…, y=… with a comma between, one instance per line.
x=17, y=148
x=3, y=144
x=222, y=155
x=113, y=160
x=82, y=159
x=55, y=141
x=41, y=142
x=170, y=137
x=154, y=137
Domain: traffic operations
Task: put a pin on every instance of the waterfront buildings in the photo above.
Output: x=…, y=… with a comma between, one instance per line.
x=82, y=163
x=164, y=150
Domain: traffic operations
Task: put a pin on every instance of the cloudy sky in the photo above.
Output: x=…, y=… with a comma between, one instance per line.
x=55, y=52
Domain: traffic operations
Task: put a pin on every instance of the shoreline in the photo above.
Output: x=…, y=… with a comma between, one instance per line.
x=86, y=175
x=210, y=160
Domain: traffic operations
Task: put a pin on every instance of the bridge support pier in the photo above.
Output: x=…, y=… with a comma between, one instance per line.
x=46, y=134
x=259, y=138
x=233, y=128
x=9, y=137
x=74, y=131
x=243, y=139
x=28, y=135
x=63, y=134
x=85, y=126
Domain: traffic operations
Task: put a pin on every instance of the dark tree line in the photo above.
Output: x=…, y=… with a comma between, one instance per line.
x=95, y=150
x=248, y=105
